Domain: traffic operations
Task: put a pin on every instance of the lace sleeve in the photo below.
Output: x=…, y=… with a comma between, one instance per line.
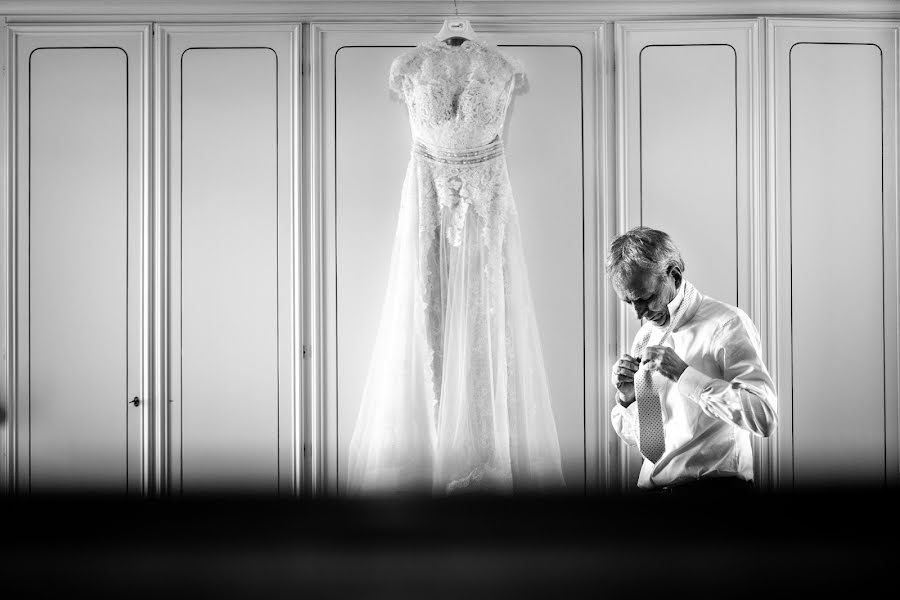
x=400, y=69
x=395, y=79
x=520, y=79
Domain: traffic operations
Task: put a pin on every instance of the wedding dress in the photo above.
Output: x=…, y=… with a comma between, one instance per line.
x=456, y=397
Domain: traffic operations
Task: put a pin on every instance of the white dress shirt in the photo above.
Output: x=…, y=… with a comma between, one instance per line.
x=723, y=396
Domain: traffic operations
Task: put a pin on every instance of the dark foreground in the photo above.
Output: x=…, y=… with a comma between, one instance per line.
x=554, y=547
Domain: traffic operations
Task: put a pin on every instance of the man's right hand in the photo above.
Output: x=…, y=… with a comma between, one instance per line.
x=623, y=378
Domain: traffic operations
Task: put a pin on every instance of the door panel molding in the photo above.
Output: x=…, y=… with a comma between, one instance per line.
x=782, y=36
x=173, y=42
x=325, y=42
x=133, y=42
x=743, y=38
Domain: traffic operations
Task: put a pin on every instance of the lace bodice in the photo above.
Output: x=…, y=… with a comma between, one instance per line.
x=457, y=96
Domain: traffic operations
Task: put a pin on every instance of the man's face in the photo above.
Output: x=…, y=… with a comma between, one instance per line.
x=649, y=294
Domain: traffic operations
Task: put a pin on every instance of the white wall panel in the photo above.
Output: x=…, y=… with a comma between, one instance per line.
x=835, y=156
x=836, y=133
x=78, y=279
x=229, y=308
x=687, y=159
x=230, y=129
x=79, y=206
x=688, y=139
x=546, y=172
x=228, y=226
x=372, y=151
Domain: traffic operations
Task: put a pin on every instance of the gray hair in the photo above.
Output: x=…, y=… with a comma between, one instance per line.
x=641, y=249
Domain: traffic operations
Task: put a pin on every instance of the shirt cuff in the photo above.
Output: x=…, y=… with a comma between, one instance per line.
x=692, y=382
x=621, y=406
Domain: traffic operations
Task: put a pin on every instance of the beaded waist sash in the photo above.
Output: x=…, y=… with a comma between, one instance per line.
x=459, y=156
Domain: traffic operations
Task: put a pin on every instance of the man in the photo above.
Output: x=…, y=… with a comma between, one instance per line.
x=694, y=386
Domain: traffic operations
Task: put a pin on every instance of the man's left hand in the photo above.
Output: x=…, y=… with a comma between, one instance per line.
x=664, y=360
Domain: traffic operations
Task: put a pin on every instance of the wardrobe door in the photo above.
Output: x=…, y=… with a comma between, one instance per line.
x=834, y=185
x=688, y=110
x=365, y=149
x=79, y=202
x=230, y=116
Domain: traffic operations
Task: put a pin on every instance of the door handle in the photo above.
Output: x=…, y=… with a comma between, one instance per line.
x=136, y=401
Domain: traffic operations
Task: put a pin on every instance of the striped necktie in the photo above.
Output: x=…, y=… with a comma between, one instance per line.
x=650, y=425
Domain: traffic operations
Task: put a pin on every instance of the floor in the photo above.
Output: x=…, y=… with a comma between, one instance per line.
x=467, y=547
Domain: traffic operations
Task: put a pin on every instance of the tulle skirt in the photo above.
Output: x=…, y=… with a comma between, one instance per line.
x=456, y=398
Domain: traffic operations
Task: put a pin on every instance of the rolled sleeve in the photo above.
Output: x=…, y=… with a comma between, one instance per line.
x=746, y=394
x=624, y=422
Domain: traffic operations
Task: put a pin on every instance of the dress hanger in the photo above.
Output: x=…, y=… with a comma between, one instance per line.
x=455, y=31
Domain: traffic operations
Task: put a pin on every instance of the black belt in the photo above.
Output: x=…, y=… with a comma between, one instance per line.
x=710, y=485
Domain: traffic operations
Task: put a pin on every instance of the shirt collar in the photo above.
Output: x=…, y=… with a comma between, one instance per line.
x=676, y=302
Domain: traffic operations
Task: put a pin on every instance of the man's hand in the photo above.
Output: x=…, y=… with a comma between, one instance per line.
x=664, y=360
x=623, y=378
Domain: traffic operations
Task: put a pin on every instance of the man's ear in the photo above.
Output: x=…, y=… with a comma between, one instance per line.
x=675, y=272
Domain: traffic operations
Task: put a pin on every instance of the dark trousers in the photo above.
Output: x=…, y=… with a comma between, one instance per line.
x=708, y=486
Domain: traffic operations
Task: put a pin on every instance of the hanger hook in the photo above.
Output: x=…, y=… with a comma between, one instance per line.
x=455, y=8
